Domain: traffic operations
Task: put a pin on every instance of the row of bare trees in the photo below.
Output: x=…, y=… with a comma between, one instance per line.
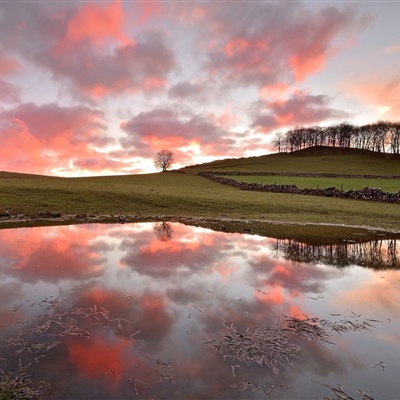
x=381, y=137
x=377, y=254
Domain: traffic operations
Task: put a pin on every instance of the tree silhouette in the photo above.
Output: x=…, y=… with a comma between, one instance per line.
x=163, y=231
x=380, y=137
x=164, y=159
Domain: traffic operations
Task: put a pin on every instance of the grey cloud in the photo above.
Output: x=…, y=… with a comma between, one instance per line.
x=191, y=91
x=8, y=92
x=265, y=43
x=37, y=32
x=178, y=128
x=45, y=122
x=300, y=109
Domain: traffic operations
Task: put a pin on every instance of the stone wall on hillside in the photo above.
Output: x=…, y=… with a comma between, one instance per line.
x=307, y=175
x=367, y=193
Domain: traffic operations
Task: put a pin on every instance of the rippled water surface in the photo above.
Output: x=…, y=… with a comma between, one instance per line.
x=168, y=311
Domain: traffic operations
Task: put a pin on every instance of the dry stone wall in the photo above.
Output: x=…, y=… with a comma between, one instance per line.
x=306, y=175
x=367, y=193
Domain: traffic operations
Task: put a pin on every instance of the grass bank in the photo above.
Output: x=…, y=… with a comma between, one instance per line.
x=176, y=195
x=183, y=195
x=313, y=159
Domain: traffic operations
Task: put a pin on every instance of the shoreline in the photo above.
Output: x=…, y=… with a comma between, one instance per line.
x=311, y=232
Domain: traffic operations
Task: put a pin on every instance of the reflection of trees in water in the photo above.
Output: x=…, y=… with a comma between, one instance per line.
x=378, y=254
x=163, y=231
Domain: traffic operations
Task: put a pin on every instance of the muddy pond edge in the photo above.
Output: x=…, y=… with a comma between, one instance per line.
x=313, y=233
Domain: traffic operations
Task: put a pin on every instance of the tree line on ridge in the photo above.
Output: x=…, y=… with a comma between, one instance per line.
x=380, y=137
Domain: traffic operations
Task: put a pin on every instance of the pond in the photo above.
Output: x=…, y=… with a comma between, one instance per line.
x=168, y=311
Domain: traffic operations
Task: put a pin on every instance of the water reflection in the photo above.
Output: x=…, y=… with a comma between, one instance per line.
x=163, y=231
x=124, y=311
x=377, y=254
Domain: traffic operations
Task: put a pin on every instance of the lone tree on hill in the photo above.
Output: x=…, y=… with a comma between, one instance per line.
x=164, y=159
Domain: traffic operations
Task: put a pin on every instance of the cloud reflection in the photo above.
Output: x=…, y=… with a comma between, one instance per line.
x=171, y=295
x=59, y=254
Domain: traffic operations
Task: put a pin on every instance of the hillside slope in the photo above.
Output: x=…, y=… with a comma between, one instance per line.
x=313, y=159
x=171, y=195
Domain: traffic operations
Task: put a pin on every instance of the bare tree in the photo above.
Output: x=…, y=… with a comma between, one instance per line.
x=164, y=159
x=277, y=141
x=394, y=137
x=379, y=137
x=163, y=231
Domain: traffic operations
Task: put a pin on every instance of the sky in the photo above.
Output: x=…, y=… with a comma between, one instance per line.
x=99, y=87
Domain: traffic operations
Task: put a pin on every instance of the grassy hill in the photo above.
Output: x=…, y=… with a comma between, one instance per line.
x=174, y=195
x=313, y=159
x=17, y=175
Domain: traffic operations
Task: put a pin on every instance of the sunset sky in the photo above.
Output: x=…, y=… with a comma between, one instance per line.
x=98, y=87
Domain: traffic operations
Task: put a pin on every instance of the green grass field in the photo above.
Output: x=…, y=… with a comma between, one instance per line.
x=325, y=159
x=345, y=184
x=173, y=194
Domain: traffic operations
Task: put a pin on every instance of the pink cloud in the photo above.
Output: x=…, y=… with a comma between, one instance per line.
x=157, y=258
x=84, y=47
x=143, y=65
x=313, y=39
x=76, y=257
x=187, y=134
x=95, y=358
x=54, y=125
x=37, y=138
x=384, y=292
x=148, y=10
x=153, y=317
x=300, y=109
x=95, y=50
x=150, y=131
x=8, y=66
x=227, y=119
x=382, y=93
x=20, y=151
x=95, y=22
x=392, y=49
x=276, y=91
x=265, y=43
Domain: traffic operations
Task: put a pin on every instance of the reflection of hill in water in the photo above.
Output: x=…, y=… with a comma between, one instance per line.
x=377, y=254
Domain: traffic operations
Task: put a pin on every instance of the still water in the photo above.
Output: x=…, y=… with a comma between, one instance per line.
x=168, y=311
